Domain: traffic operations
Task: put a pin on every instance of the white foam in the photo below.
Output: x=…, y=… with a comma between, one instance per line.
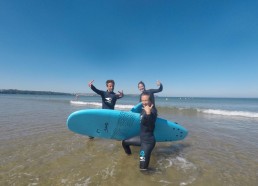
x=83, y=103
x=124, y=106
x=97, y=104
x=190, y=181
x=181, y=164
x=184, y=164
x=230, y=113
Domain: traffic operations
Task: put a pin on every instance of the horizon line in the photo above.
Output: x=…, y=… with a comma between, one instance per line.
x=19, y=91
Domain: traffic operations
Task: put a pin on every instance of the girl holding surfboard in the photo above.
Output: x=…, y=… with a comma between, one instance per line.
x=146, y=139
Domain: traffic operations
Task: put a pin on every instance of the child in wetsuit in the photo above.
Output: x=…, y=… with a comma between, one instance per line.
x=141, y=87
x=135, y=141
x=147, y=138
x=108, y=97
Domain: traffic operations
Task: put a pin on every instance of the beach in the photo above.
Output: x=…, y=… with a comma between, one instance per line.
x=37, y=148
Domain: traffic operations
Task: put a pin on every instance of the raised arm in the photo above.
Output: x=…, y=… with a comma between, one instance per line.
x=120, y=94
x=159, y=89
x=90, y=84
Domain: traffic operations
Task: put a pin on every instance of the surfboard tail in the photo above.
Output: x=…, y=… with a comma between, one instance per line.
x=169, y=131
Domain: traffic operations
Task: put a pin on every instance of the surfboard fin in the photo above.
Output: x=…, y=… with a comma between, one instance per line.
x=137, y=108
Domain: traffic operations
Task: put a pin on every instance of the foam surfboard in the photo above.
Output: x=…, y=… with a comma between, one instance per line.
x=120, y=125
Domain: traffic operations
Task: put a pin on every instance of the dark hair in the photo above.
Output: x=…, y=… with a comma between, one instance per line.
x=110, y=81
x=141, y=83
x=146, y=94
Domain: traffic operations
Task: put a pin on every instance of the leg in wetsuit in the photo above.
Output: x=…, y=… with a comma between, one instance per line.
x=146, y=139
x=145, y=151
x=145, y=154
x=135, y=141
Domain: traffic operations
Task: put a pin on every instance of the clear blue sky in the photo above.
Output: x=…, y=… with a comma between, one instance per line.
x=194, y=47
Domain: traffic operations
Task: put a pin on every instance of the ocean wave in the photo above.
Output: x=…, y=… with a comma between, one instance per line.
x=196, y=111
x=175, y=110
x=83, y=103
x=98, y=105
x=229, y=113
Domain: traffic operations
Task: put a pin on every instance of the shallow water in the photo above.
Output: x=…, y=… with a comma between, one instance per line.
x=38, y=149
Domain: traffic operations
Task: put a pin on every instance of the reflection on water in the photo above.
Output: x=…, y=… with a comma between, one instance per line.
x=37, y=149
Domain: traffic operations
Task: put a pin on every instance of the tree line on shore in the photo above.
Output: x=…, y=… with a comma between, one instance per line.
x=15, y=91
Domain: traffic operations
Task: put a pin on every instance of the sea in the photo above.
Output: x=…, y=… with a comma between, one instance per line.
x=37, y=148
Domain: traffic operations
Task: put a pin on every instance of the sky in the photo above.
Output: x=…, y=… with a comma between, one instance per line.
x=196, y=48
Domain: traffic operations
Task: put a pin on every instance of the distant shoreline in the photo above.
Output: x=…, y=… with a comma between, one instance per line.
x=34, y=92
x=15, y=91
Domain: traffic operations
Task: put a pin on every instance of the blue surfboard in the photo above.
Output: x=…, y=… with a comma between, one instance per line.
x=120, y=125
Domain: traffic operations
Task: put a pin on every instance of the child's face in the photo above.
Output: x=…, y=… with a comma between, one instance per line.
x=145, y=100
x=110, y=87
x=141, y=87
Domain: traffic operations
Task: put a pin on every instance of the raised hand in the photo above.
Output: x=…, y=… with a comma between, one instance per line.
x=90, y=83
x=158, y=83
x=121, y=94
x=147, y=109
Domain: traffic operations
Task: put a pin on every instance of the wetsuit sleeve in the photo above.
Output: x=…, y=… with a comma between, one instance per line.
x=157, y=90
x=96, y=90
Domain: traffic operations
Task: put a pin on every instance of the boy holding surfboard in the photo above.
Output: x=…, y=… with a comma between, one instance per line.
x=108, y=97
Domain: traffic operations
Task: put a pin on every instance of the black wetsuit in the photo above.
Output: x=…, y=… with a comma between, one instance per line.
x=135, y=141
x=151, y=92
x=108, y=98
x=147, y=137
